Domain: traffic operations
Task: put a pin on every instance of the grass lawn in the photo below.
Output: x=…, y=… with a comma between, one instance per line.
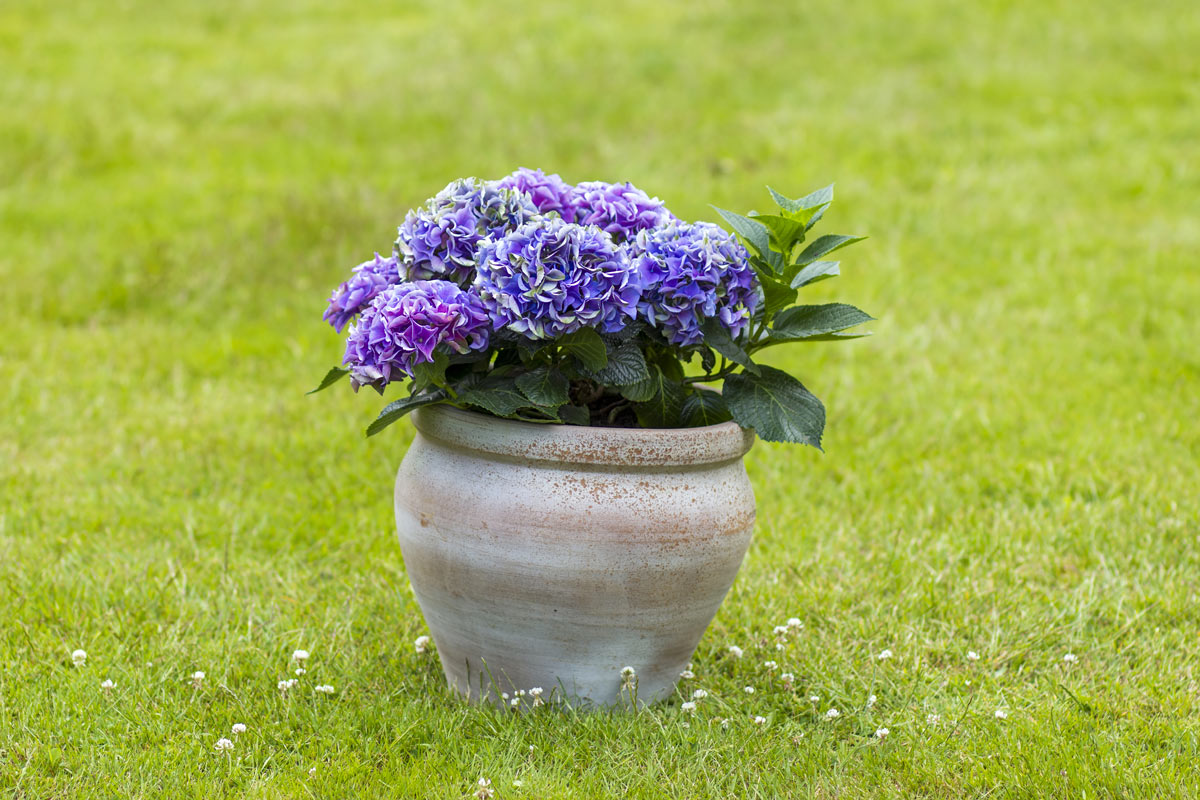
x=1012, y=466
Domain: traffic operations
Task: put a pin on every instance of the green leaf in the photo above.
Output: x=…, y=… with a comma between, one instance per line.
x=757, y=235
x=497, y=396
x=661, y=410
x=645, y=389
x=807, y=322
x=810, y=202
x=716, y=337
x=776, y=406
x=333, y=376
x=776, y=293
x=704, y=407
x=785, y=233
x=430, y=373
x=824, y=246
x=586, y=345
x=626, y=365
x=545, y=387
x=815, y=272
x=575, y=415
x=392, y=412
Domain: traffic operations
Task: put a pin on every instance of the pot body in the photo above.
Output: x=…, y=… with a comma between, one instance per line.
x=553, y=556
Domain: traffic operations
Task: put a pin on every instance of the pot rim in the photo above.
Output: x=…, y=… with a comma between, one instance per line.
x=578, y=444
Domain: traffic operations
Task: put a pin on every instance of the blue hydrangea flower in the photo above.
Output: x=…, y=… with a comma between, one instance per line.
x=369, y=279
x=551, y=277
x=691, y=273
x=548, y=192
x=405, y=324
x=441, y=239
x=622, y=209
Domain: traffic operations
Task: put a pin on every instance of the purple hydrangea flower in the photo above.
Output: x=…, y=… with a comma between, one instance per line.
x=406, y=324
x=441, y=239
x=551, y=277
x=369, y=279
x=548, y=192
x=622, y=209
x=691, y=273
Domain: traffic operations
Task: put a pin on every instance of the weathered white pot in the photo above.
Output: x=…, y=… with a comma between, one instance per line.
x=552, y=556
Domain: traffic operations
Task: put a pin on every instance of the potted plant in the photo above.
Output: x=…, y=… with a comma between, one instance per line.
x=573, y=507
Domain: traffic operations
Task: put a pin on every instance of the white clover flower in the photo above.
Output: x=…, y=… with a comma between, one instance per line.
x=781, y=630
x=519, y=693
x=735, y=651
x=628, y=672
x=1070, y=658
x=724, y=724
x=484, y=792
x=760, y=720
x=326, y=689
x=795, y=624
x=832, y=713
x=107, y=685
x=884, y=655
x=300, y=655
x=535, y=691
x=300, y=671
x=283, y=686
x=78, y=657
x=787, y=678
x=1001, y=713
x=422, y=644
x=933, y=719
x=223, y=745
x=516, y=701
x=972, y=655
x=881, y=733
x=871, y=701
x=699, y=694
x=779, y=647
x=197, y=678
x=312, y=772
x=688, y=707
x=504, y=696
x=238, y=728
x=771, y=666
x=814, y=699
x=749, y=690
x=687, y=675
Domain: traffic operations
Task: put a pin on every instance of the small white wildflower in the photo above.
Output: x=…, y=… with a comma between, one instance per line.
x=787, y=678
x=735, y=651
x=300, y=655
x=422, y=644
x=1070, y=658
x=832, y=713
x=760, y=720
x=223, y=745
x=779, y=647
x=516, y=701
x=628, y=672
x=517, y=784
x=749, y=690
x=871, y=701
x=814, y=699
x=724, y=724
x=519, y=693
x=628, y=678
x=484, y=792
x=197, y=678
x=107, y=685
x=687, y=675
x=535, y=691
x=771, y=666
x=238, y=728
x=884, y=655
x=699, y=694
x=795, y=624
x=972, y=655
x=781, y=630
x=688, y=707
x=312, y=772
x=283, y=686
x=933, y=719
x=326, y=689
x=79, y=657
x=504, y=696
x=1001, y=713
x=300, y=671
x=881, y=733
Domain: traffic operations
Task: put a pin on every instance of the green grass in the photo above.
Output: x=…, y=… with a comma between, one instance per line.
x=1012, y=467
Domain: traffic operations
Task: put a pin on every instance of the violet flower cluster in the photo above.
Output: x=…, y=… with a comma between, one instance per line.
x=694, y=272
x=405, y=325
x=538, y=257
x=551, y=277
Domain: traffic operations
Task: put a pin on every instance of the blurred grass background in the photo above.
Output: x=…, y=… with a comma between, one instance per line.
x=1012, y=463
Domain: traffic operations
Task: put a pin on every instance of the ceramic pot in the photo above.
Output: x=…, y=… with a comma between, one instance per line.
x=553, y=556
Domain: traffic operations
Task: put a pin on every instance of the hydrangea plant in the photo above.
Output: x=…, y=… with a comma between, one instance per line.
x=531, y=299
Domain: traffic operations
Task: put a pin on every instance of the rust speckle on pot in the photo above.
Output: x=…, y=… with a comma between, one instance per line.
x=552, y=556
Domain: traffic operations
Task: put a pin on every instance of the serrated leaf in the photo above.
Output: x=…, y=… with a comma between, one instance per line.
x=396, y=410
x=626, y=365
x=785, y=233
x=586, y=345
x=575, y=415
x=545, y=386
x=776, y=406
x=756, y=234
x=645, y=389
x=661, y=410
x=704, y=407
x=716, y=337
x=825, y=245
x=805, y=322
x=500, y=397
x=430, y=373
x=776, y=293
x=815, y=272
x=333, y=376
